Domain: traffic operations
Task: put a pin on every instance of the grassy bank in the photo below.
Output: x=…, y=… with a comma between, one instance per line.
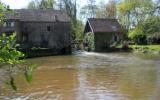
x=146, y=49
x=154, y=49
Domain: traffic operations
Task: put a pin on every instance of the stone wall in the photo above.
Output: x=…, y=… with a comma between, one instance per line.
x=49, y=35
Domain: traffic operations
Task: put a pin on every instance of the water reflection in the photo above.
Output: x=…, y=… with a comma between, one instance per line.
x=90, y=76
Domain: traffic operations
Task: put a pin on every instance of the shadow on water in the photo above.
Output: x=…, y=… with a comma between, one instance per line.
x=90, y=76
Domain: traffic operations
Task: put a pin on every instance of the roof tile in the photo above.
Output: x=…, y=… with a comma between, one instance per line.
x=104, y=25
x=39, y=15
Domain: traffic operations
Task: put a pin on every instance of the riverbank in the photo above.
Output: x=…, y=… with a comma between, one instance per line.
x=147, y=49
x=41, y=52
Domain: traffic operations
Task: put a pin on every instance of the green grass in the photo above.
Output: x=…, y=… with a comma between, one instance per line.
x=150, y=49
x=147, y=49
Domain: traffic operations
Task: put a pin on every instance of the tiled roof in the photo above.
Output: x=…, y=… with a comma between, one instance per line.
x=38, y=15
x=104, y=25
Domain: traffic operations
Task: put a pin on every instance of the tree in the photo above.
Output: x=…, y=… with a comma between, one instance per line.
x=137, y=35
x=79, y=30
x=101, y=10
x=151, y=25
x=89, y=10
x=156, y=10
x=151, y=28
x=70, y=7
x=32, y=5
x=147, y=31
x=111, y=9
x=35, y=4
x=47, y=4
x=133, y=12
x=106, y=10
x=10, y=56
x=60, y=4
x=92, y=7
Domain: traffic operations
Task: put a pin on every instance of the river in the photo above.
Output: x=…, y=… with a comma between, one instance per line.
x=90, y=76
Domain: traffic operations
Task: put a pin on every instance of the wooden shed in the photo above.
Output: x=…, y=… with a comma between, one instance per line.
x=107, y=32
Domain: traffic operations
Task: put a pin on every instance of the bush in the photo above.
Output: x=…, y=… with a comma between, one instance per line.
x=137, y=36
x=153, y=39
x=89, y=41
x=151, y=28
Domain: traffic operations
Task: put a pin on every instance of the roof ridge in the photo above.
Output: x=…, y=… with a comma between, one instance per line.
x=102, y=19
x=39, y=10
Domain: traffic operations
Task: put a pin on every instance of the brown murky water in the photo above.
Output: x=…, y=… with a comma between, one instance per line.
x=90, y=76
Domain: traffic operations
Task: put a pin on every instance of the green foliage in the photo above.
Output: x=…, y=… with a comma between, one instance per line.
x=79, y=30
x=89, y=40
x=70, y=7
x=137, y=35
x=9, y=55
x=8, y=52
x=36, y=4
x=150, y=29
x=151, y=26
x=139, y=14
x=28, y=72
x=2, y=6
x=149, y=49
x=133, y=12
x=32, y=5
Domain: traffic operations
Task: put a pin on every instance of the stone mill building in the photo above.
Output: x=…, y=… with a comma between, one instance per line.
x=39, y=28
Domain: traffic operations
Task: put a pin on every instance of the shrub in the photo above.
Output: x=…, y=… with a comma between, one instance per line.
x=137, y=36
x=151, y=28
x=89, y=41
x=153, y=38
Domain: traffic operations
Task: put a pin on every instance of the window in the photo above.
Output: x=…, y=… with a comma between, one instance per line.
x=48, y=28
x=8, y=24
x=25, y=28
x=115, y=38
x=4, y=24
x=12, y=24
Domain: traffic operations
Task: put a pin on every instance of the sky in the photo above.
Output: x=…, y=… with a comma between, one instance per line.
x=18, y=4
